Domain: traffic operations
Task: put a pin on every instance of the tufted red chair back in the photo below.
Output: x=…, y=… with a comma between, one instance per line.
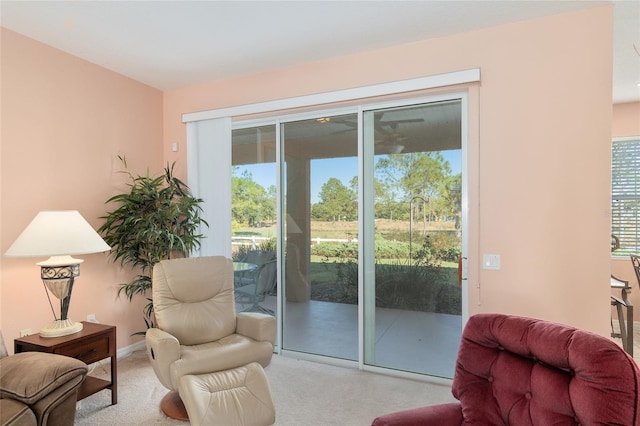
x=522, y=371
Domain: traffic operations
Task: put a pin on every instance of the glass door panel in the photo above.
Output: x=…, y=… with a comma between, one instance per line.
x=412, y=291
x=321, y=236
x=253, y=206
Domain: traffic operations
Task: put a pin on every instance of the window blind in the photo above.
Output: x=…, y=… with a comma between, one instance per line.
x=625, y=191
x=209, y=177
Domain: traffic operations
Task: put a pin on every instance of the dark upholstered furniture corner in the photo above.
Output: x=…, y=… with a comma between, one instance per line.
x=39, y=388
x=521, y=371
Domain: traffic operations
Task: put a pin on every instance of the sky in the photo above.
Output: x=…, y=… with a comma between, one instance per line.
x=321, y=170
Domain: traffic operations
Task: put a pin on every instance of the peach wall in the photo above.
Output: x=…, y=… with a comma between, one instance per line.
x=64, y=121
x=539, y=156
x=626, y=122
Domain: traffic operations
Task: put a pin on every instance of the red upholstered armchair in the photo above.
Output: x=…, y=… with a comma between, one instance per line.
x=521, y=371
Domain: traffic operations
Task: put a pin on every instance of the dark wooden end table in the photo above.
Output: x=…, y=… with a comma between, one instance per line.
x=93, y=343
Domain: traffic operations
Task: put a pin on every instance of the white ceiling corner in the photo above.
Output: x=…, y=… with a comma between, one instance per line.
x=172, y=44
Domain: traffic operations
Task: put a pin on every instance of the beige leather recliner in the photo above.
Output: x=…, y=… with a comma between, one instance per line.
x=197, y=329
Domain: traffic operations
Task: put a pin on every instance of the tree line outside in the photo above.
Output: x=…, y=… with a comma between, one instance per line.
x=418, y=186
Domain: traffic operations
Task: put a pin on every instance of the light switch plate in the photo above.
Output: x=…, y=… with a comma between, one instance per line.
x=491, y=262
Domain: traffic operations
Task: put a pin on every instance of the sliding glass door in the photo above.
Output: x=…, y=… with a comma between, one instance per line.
x=369, y=227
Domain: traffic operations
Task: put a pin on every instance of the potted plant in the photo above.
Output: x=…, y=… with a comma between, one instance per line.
x=156, y=219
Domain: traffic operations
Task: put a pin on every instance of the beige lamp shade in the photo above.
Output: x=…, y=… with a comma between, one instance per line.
x=57, y=233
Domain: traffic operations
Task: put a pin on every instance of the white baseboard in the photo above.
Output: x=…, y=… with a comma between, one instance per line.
x=128, y=350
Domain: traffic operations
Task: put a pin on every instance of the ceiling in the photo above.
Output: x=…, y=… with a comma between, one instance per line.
x=172, y=44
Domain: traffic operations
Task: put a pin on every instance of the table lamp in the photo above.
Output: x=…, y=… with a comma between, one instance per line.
x=58, y=234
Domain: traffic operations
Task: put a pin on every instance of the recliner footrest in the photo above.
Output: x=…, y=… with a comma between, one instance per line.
x=236, y=397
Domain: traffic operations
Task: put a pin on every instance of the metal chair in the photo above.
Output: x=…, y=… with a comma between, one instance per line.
x=635, y=261
x=255, y=293
x=254, y=257
x=622, y=305
x=624, y=308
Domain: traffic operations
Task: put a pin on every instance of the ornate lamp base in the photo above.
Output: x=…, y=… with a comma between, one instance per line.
x=61, y=328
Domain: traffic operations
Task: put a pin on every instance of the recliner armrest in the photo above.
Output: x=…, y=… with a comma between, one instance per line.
x=163, y=349
x=260, y=327
x=30, y=376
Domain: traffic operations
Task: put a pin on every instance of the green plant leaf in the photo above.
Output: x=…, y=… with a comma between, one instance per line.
x=156, y=219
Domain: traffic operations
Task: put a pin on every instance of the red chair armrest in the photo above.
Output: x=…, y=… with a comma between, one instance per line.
x=434, y=415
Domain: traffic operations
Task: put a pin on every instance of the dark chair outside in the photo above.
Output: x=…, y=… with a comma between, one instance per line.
x=254, y=293
x=254, y=257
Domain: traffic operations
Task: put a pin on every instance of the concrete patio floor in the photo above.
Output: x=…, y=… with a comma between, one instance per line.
x=419, y=342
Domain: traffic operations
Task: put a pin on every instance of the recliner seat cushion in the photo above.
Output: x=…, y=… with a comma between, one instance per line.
x=522, y=371
x=229, y=352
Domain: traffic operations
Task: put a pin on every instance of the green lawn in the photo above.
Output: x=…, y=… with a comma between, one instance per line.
x=443, y=296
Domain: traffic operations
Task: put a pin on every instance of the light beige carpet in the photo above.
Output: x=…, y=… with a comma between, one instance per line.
x=304, y=393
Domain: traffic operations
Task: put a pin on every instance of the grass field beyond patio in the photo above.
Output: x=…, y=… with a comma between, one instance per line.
x=400, y=284
x=346, y=229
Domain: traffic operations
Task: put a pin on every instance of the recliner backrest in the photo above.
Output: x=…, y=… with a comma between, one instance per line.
x=523, y=371
x=193, y=298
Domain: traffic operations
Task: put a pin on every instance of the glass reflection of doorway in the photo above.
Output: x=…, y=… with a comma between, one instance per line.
x=254, y=221
x=412, y=294
x=321, y=236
